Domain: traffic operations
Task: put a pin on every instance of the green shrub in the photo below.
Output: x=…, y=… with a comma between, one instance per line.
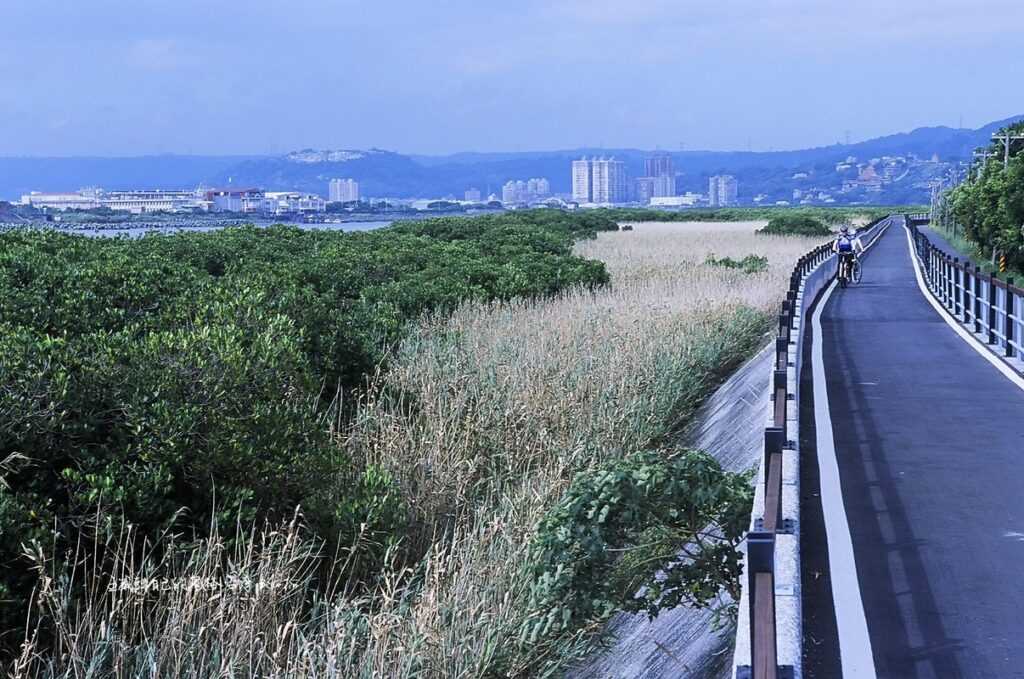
x=619, y=530
x=749, y=264
x=795, y=226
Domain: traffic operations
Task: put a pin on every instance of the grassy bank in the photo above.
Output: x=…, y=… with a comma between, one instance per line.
x=481, y=424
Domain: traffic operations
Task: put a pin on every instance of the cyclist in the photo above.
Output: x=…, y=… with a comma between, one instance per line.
x=848, y=246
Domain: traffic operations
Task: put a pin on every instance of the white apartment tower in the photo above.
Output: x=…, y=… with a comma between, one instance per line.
x=608, y=181
x=581, y=187
x=343, y=191
x=722, y=190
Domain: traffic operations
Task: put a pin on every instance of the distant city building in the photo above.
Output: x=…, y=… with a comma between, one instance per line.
x=60, y=201
x=538, y=188
x=472, y=195
x=513, y=192
x=686, y=200
x=643, y=189
x=343, y=191
x=722, y=190
x=664, y=185
x=659, y=165
x=137, y=202
x=291, y=202
x=519, y=192
x=236, y=200
x=581, y=181
x=608, y=181
x=659, y=180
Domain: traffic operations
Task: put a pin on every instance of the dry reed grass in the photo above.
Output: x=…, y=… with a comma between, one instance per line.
x=486, y=416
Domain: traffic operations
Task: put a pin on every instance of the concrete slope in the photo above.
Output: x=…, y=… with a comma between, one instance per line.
x=930, y=442
x=681, y=642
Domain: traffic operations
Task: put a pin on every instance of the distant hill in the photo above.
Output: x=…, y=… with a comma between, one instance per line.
x=387, y=173
x=383, y=173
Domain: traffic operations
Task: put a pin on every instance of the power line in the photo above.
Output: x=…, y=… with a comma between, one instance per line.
x=1006, y=138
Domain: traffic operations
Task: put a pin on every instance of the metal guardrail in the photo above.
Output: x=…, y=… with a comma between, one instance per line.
x=763, y=658
x=992, y=308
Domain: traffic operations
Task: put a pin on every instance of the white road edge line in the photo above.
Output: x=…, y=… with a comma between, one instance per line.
x=855, y=654
x=971, y=340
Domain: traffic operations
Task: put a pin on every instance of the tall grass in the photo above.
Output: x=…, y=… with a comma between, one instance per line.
x=482, y=419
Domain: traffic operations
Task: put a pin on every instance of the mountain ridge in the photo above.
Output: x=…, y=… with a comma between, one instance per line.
x=390, y=173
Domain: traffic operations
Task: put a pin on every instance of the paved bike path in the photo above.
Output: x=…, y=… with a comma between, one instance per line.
x=930, y=442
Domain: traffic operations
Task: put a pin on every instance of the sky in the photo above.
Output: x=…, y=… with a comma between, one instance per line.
x=135, y=77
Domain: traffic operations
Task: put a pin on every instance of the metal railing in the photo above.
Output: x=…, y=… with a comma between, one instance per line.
x=987, y=306
x=775, y=525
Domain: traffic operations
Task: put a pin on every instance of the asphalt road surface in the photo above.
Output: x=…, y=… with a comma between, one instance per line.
x=930, y=443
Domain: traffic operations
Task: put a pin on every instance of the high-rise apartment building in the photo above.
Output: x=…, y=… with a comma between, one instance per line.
x=581, y=181
x=539, y=187
x=659, y=165
x=722, y=190
x=473, y=195
x=608, y=181
x=343, y=191
x=520, y=192
x=664, y=185
x=643, y=190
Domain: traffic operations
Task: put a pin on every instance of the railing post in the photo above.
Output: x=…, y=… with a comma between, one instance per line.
x=761, y=588
x=950, y=286
x=1009, y=318
x=958, y=290
x=992, y=308
x=977, y=299
x=965, y=292
x=774, y=442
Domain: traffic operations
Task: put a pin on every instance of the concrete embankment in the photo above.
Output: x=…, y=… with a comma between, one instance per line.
x=683, y=641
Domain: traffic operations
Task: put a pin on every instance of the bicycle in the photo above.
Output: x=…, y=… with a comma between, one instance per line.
x=849, y=270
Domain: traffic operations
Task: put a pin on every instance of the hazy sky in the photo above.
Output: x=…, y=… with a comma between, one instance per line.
x=127, y=77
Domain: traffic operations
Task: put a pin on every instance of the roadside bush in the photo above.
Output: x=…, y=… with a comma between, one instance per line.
x=683, y=514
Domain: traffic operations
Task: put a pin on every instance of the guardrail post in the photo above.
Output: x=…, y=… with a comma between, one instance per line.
x=781, y=353
x=949, y=282
x=957, y=288
x=761, y=587
x=774, y=442
x=1009, y=318
x=992, y=308
x=977, y=299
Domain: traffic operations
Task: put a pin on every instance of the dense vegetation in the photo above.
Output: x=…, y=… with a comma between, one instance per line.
x=201, y=372
x=500, y=442
x=795, y=225
x=991, y=206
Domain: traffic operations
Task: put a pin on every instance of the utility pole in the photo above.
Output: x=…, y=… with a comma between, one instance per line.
x=985, y=155
x=1007, y=137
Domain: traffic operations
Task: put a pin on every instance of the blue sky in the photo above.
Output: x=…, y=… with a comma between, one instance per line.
x=130, y=77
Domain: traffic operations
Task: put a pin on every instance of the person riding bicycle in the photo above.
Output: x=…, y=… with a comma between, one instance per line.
x=848, y=246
